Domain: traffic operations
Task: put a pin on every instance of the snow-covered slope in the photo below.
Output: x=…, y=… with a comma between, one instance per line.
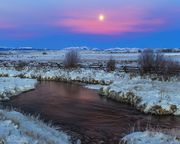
x=15, y=128
x=149, y=96
x=148, y=137
x=12, y=86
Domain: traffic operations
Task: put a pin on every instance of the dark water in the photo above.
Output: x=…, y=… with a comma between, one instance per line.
x=84, y=114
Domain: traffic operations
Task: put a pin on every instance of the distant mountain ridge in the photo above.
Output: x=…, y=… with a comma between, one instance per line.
x=85, y=48
x=15, y=48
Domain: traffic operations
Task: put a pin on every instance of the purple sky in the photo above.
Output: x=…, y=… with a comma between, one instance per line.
x=63, y=23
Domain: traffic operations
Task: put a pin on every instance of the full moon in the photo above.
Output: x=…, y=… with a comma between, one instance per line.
x=101, y=17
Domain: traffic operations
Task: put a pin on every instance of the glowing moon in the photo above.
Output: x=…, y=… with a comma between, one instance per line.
x=101, y=17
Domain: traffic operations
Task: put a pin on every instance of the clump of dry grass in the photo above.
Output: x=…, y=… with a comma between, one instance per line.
x=173, y=132
x=34, y=131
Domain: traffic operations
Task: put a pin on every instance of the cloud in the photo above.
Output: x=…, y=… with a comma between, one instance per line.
x=111, y=26
x=125, y=20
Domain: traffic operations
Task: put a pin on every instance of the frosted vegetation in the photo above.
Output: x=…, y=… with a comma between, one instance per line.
x=145, y=94
x=80, y=75
x=149, y=96
x=149, y=137
x=13, y=86
x=15, y=128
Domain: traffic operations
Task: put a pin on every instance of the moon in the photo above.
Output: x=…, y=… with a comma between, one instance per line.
x=101, y=17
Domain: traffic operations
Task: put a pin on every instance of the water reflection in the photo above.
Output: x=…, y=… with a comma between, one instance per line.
x=85, y=114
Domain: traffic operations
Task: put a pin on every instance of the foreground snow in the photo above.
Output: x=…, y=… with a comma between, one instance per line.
x=15, y=128
x=12, y=86
x=148, y=137
x=149, y=96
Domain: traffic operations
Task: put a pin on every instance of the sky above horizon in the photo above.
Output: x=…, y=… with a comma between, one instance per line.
x=57, y=24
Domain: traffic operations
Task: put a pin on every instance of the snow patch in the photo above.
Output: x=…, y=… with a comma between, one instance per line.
x=12, y=86
x=15, y=128
x=90, y=76
x=157, y=97
x=148, y=137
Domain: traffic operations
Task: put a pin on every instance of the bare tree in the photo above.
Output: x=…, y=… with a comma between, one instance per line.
x=159, y=62
x=111, y=64
x=146, y=60
x=72, y=58
x=156, y=62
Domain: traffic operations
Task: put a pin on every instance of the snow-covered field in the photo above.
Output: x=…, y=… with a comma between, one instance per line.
x=15, y=128
x=87, y=55
x=79, y=75
x=58, y=55
x=156, y=97
x=12, y=86
x=149, y=96
x=149, y=137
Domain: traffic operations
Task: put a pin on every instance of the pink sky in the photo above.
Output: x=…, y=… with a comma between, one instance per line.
x=50, y=20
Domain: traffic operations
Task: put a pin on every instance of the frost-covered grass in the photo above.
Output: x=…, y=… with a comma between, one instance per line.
x=10, y=86
x=149, y=96
x=58, y=55
x=87, y=55
x=156, y=97
x=149, y=137
x=80, y=75
x=15, y=128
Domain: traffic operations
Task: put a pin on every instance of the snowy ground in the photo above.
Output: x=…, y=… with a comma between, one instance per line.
x=149, y=96
x=148, y=137
x=146, y=95
x=15, y=128
x=58, y=55
x=156, y=97
x=80, y=75
x=12, y=86
x=122, y=56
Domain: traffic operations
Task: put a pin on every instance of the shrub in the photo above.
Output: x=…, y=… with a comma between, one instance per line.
x=20, y=65
x=146, y=60
x=111, y=64
x=44, y=53
x=155, y=62
x=72, y=58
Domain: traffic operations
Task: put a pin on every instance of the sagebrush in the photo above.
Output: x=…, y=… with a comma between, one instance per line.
x=154, y=62
x=72, y=59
